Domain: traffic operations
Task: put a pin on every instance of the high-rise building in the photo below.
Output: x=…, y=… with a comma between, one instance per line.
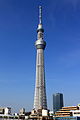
x=40, y=101
x=57, y=101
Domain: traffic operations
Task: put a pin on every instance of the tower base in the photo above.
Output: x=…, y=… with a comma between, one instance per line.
x=40, y=114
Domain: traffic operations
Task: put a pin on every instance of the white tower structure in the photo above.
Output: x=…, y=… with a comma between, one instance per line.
x=40, y=101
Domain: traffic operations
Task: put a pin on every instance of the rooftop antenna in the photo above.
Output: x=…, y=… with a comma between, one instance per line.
x=40, y=14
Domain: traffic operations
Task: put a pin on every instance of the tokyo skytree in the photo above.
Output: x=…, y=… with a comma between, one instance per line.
x=40, y=101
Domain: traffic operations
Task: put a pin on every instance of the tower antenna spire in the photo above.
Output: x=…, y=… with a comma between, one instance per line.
x=40, y=14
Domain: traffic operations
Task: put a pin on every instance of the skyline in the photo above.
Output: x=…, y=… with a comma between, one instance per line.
x=18, y=26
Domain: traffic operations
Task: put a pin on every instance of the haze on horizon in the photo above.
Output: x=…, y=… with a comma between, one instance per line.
x=18, y=25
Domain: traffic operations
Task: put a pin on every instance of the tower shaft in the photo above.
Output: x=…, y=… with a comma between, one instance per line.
x=40, y=101
x=40, y=92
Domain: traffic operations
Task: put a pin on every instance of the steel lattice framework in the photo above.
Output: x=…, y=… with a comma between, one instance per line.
x=40, y=101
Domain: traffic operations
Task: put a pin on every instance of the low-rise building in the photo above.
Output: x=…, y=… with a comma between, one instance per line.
x=5, y=110
x=22, y=111
x=76, y=113
x=68, y=111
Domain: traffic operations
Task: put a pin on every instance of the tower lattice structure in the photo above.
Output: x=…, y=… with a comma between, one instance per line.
x=40, y=101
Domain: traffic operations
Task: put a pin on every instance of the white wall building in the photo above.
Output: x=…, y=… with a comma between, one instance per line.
x=22, y=111
x=76, y=113
x=5, y=110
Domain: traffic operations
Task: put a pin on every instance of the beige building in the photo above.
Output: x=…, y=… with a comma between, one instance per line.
x=68, y=111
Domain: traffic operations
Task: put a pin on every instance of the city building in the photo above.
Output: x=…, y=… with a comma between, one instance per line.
x=68, y=111
x=5, y=110
x=5, y=113
x=57, y=101
x=22, y=111
x=76, y=113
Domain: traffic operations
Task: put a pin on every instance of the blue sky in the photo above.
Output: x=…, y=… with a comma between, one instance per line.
x=18, y=25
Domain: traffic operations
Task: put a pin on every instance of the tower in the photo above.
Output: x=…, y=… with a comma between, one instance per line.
x=40, y=101
x=57, y=101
